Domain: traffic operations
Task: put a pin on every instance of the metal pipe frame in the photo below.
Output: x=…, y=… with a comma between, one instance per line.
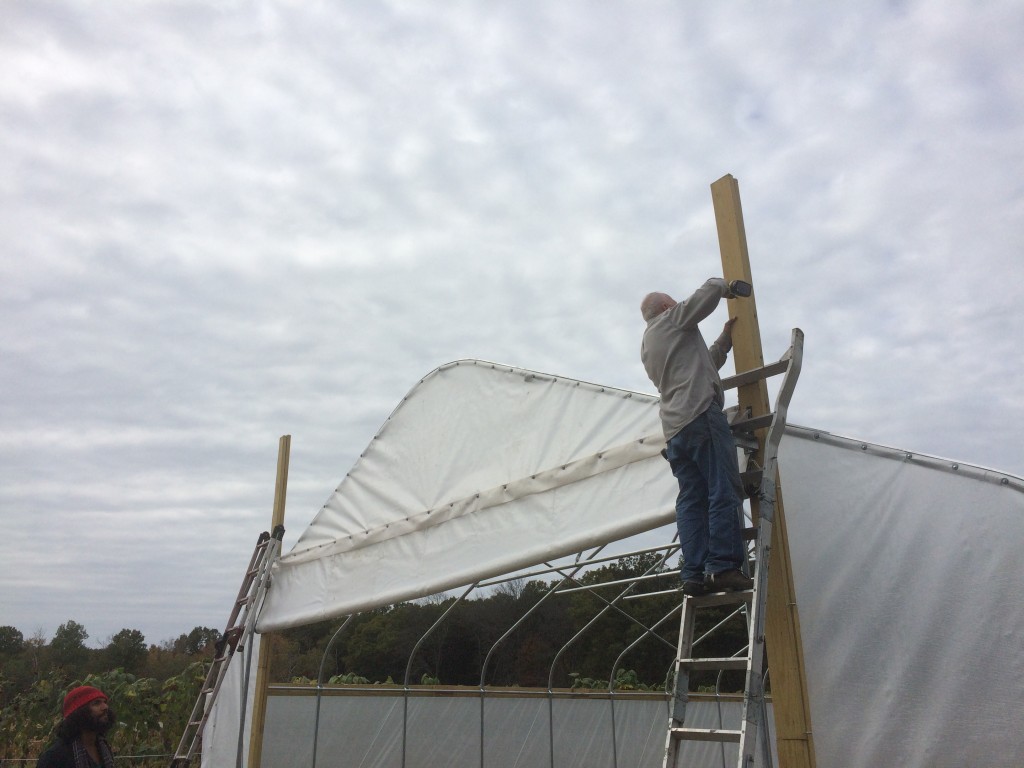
x=320, y=682
x=412, y=656
x=555, y=568
x=487, y=659
x=608, y=606
x=615, y=668
x=568, y=574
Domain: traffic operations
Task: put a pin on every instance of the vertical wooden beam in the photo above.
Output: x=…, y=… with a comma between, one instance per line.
x=259, y=704
x=794, y=739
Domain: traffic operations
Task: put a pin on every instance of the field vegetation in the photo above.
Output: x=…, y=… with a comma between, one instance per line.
x=154, y=686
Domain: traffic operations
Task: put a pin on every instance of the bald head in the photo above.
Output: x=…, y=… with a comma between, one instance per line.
x=654, y=304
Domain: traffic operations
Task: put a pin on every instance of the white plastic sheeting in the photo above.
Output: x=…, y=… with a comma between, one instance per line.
x=444, y=731
x=908, y=576
x=482, y=469
x=231, y=713
x=907, y=568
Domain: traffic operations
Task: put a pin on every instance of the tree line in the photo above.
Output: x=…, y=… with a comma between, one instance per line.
x=153, y=687
x=546, y=647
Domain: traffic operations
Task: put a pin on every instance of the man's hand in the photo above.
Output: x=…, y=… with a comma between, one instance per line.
x=724, y=340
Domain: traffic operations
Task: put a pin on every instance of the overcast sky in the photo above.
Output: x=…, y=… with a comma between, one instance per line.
x=226, y=222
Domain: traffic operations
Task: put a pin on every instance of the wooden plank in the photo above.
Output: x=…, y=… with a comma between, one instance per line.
x=259, y=704
x=794, y=739
x=747, y=377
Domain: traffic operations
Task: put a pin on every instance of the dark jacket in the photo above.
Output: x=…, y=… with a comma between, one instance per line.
x=61, y=755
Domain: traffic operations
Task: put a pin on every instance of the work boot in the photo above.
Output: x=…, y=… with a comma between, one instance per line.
x=727, y=581
x=694, y=588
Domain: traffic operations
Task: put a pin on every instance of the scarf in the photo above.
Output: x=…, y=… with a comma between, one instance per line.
x=82, y=759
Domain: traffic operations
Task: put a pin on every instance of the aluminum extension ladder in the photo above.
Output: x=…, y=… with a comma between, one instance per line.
x=239, y=628
x=754, y=725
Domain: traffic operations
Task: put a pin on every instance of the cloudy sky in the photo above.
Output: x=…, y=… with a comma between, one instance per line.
x=226, y=222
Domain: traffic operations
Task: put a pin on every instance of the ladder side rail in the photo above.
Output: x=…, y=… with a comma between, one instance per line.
x=259, y=557
x=681, y=683
x=254, y=603
x=754, y=711
x=778, y=427
x=753, y=690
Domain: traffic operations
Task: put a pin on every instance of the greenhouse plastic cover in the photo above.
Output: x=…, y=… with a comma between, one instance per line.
x=906, y=568
x=482, y=469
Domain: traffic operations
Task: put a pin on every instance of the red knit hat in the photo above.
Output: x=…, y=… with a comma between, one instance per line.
x=80, y=696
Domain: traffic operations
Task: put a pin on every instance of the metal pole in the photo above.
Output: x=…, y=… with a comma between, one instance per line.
x=608, y=606
x=668, y=548
x=408, y=667
x=320, y=683
x=615, y=666
x=500, y=640
x=247, y=660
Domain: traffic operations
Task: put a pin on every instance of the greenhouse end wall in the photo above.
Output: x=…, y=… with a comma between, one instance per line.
x=443, y=729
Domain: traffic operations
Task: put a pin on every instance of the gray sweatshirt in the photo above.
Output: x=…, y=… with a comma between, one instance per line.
x=678, y=361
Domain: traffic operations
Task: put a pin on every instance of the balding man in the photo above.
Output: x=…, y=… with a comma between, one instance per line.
x=700, y=450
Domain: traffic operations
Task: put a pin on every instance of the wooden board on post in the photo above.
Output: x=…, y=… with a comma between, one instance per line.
x=259, y=703
x=794, y=739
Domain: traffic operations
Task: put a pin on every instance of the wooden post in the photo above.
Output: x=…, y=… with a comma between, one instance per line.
x=794, y=740
x=259, y=702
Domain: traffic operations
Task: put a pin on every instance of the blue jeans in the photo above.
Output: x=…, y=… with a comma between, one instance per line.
x=703, y=459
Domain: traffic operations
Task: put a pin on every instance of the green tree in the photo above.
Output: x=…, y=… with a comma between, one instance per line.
x=68, y=646
x=199, y=640
x=127, y=650
x=15, y=664
x=11, y=641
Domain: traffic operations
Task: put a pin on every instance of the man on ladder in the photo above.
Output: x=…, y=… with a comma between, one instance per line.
x=700, y=449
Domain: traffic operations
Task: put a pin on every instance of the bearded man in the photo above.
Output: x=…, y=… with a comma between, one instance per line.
x=80, y=735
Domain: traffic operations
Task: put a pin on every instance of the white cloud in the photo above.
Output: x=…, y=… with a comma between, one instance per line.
x=226, y=223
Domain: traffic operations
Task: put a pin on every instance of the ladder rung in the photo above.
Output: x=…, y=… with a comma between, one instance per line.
x=748, y=444
x=731, y=662
x=706, y=734
x=755, y=374
x=752, y=424
x=749, y=534
x=722, y=598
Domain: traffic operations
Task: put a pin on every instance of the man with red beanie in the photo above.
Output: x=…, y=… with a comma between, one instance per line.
x=80, y=735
